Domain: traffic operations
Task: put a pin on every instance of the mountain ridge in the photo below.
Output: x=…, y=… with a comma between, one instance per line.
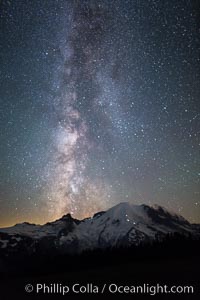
x=122, y=225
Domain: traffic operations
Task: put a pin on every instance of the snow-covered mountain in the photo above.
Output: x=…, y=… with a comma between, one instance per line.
x=122, y=225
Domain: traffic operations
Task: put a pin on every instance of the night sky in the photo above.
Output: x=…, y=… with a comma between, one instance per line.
x=99, y=105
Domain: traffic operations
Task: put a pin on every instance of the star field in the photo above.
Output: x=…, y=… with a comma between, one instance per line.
x=99, y=105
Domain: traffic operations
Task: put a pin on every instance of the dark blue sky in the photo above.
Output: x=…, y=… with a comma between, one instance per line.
x=99, y=105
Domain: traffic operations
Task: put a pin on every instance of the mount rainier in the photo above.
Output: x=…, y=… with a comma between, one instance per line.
x=123, y=225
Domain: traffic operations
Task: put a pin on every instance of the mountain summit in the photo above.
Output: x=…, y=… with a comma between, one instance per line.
x=123, y=225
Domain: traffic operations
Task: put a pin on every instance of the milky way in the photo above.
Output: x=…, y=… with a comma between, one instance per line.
x=100, y=103
x=77, y=108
